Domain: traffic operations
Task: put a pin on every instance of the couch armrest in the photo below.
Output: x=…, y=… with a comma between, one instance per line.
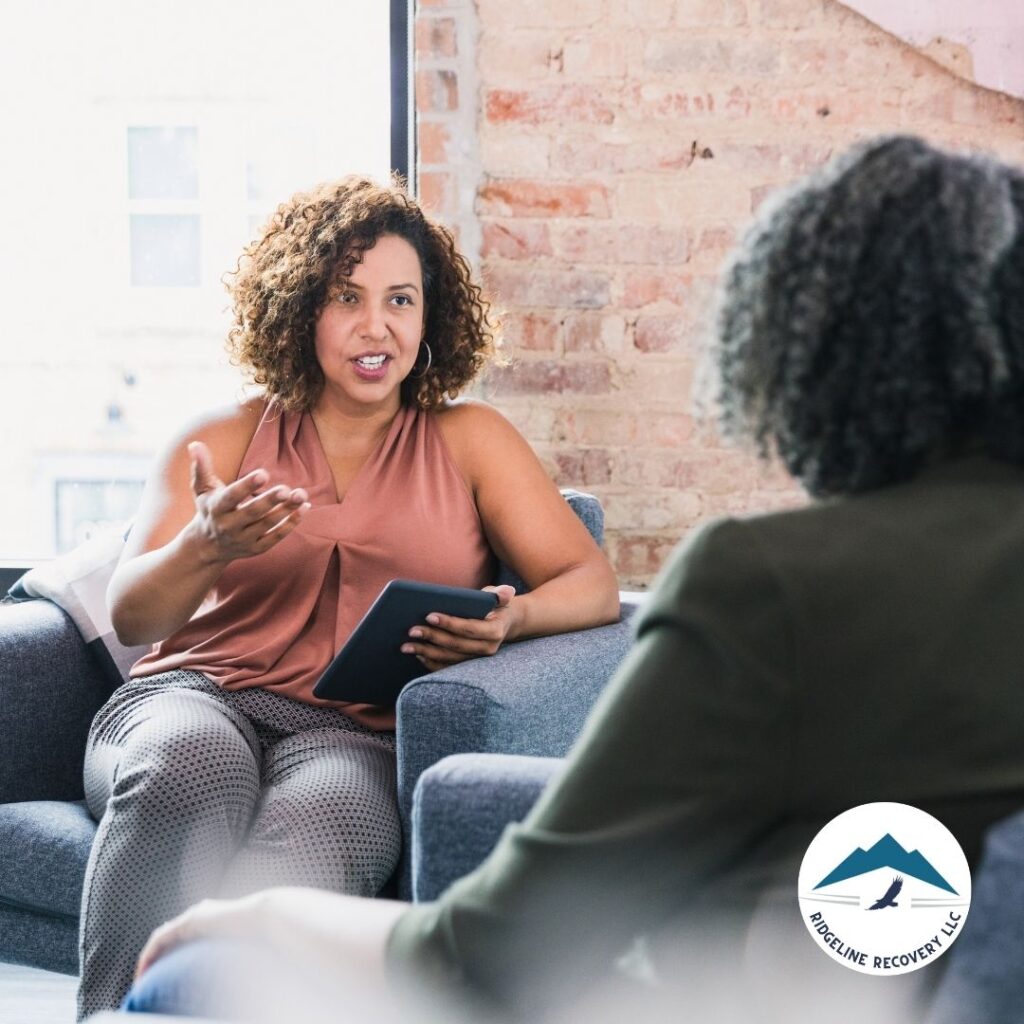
x=50, y=689
x=460, y=808
x=531, y=698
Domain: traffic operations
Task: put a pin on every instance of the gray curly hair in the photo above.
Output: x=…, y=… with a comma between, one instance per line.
x=872, y=320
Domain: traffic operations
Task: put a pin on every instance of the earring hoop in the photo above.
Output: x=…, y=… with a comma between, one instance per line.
x=430, y=359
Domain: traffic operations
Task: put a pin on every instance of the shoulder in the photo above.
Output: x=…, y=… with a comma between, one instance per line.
x=724, y=564
x=723, y=583
x=474, y=431
x=227, y=431
x=469, y=416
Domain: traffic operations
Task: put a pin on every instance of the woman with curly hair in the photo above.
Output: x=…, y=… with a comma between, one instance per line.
x=789, y=666
x=264, y=534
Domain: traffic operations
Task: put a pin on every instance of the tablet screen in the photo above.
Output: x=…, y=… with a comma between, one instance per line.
x=371, y=667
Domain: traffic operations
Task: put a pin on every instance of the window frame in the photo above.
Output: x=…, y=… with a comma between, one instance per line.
x=403, y=163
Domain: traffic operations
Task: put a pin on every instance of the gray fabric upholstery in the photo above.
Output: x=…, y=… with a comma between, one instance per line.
x=45, y=846
x=984, y=979
x=531, y=698
x=38, y=940
x=461, y=805
x=50, y=689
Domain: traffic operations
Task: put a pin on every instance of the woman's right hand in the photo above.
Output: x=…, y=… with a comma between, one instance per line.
x=236, y=520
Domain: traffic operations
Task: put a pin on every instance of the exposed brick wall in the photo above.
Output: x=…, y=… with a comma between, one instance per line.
x=600, y=159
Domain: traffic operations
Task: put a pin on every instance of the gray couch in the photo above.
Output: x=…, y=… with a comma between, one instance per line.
x=529, y=699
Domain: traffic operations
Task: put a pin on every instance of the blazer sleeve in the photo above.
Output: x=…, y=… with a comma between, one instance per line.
x=681, y=771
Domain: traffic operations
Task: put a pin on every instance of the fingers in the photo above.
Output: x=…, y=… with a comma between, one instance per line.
x=505, y=594
x=272, y=505
x=203, y=477
x=162, y=941
x=440, y=644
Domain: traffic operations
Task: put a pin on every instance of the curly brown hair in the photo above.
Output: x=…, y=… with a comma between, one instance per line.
x=312, y=242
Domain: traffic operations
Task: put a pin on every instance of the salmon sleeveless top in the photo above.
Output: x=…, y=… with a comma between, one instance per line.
x=276, y=620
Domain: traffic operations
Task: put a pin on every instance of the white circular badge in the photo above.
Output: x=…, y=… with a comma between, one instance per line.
x=884, y=888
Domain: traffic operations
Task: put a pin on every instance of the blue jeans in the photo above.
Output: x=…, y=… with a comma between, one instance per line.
x=189, y=981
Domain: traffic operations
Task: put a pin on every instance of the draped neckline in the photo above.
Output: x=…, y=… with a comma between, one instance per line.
x=376, y=453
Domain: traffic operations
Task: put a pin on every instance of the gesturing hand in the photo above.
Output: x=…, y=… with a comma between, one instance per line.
x=447, y=639
x=236, y=520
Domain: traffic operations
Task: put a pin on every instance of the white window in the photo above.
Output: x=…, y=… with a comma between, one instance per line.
x=146, y=144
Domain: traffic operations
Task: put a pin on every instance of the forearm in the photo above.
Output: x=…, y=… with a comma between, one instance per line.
x=330, y=928
x=581, y=597
x=153, y=594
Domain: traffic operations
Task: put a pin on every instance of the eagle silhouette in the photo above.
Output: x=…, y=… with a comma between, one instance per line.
x=889, y=899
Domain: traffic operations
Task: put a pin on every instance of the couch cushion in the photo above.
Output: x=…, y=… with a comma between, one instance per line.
x=462, y=805
x=45, y=846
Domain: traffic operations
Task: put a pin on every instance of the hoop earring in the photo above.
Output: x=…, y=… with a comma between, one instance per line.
x=430, y=359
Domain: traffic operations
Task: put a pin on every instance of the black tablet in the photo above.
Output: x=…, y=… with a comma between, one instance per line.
x=371, y=666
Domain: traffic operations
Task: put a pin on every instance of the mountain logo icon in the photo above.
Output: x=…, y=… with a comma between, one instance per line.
x=886, y=853
x=884, y=888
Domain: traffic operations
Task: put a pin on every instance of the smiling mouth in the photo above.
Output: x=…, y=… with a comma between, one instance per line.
x=371, y=362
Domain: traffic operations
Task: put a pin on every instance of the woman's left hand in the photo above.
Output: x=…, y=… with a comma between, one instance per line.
x=447, y=639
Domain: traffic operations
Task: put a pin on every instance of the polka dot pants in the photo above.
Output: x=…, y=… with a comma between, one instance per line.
x=204, y=792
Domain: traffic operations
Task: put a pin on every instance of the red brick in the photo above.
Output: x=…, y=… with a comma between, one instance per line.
x=524, y=55
x=436, y=38
x=934, y=105
x=514, y=285
x=706, y=14
x=529, y=331
x=622, y=243
x=983, y=107
x=436, y=190
x=637, y=558
x=436, y=90
x=681, y=53
x=791, y=13
x=546, y=376
x=579, y=155
x=433, y=139
x=596, y=56
x=537, y=423
x=511, y=17
x=715, y=243
x=669, y=510
x=516, y=240
x=598, y=427
x=519, y=197
x=654, y=467
x=667, y=428
x=878, y=107
x=654, y=100
x=760, y=194
x=660, y=333
x=558, y=104
x=666, y=383
x=582, y=467
x=649, y=286
x=650, y=13
x=601, y=332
